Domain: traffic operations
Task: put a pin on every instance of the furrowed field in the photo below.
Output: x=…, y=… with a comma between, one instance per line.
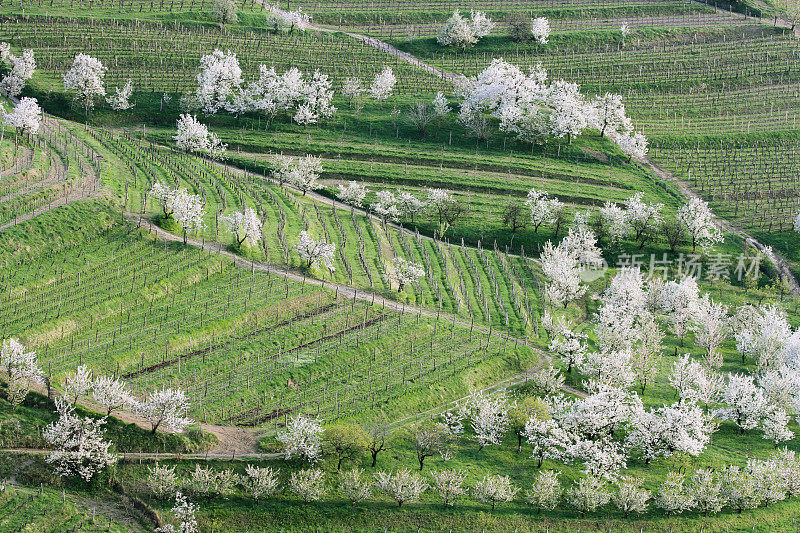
x=377, y=265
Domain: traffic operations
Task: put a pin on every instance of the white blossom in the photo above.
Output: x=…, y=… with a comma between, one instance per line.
x=775, y=426
x=673, y=496
x=188, y=211
x=633, y=145
x=615, y=222
x=354, y=486
x=548, y=439
x=79, y=448
x=705, y=490
x=262, y=481
x=540, y=29
x=20, y=368
x=26, y=117
x=710, y=325
x=745, y=402
x=700, y=223
x=449, y=484
x=220, y=77
x=740, y=488
x=386, y=206
x=488, y=416
x=22, y=68
x=569, y=117
x=245, y=226
x=352, y=88
x=608, y=114
x=161, y=479
x=85, y=78
x=120, y=100
x=588, y=494
x=402, y=487
x=302, y=439
x=545, y=492
x=315, y=252
x=353, y=193
x=165, y=408
x=494, y=489
x=111, y=393
x=405, y=272
x=193, y=136
x=440, y=106
x=78, y=384
x=383, y=84
x=630, y=496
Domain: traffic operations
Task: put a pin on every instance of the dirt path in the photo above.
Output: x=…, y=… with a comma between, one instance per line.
x=777, y=259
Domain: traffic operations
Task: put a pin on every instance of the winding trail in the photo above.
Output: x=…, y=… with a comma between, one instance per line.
x=776, y=258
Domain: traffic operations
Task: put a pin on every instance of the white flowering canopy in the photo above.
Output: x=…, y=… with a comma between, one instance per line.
x=22, y=68
x=245, y=226
x=85, y=78
x=26, y=117
x=79, y=448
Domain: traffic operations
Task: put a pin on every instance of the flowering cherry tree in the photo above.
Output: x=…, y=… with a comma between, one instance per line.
x=78, y=384
x=449, y=484
x=192, y=136
x=405, y=272
x=165, y=408
x=302, y=439
x=79, y=448
x=120, y=100
x=220, y=77
x=570, y=116
x=494, y=490
x=111, y=393
x=488, y=415
x=315, y=252
x=309, y=484
x=26, y=118
x=262, y=481
x=188, y=211
x=20, y=368
x=588, y=494
x=402, y=487
x=85, y=79
x=245, y=226
x=22, y=68
x=608, y=114
x=386, y=206
x=545, y=492
x=700, y=224
x=383, y=85
x=354, y=486
x=540, y=29
x=184, y=512
x=461, y=32
x=353, y=193
x=630, y=496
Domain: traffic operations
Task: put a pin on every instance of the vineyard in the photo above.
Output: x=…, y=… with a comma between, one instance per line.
x=358, y=265
x=159, y=57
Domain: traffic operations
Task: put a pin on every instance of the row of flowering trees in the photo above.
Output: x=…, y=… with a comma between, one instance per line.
x=79, y=446
x=463, y=32
x=534, y=109
x=705, y=490
x=307, y=99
